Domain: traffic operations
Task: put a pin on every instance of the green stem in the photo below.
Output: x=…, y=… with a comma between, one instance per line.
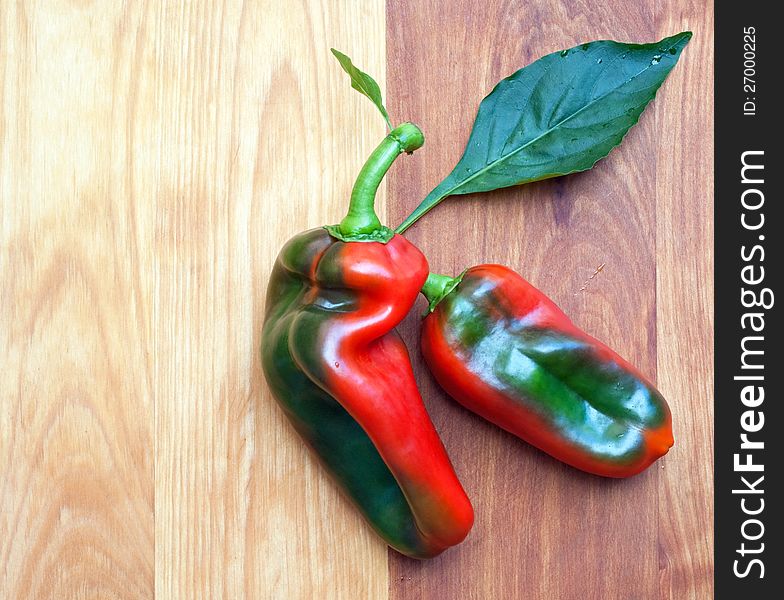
x=437, y=287
x=361, y=220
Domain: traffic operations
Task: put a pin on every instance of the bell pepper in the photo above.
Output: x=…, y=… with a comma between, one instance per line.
x=505, y=351
x=342, y=374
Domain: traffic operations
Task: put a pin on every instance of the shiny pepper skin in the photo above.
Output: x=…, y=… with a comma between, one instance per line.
x=343, y=376
x=505, y=351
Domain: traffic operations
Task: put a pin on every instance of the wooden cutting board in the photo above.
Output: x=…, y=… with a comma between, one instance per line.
x=154, y=158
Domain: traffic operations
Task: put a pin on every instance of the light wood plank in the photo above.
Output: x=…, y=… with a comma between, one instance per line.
x=76, y=343
x=261, y=129
x=154, y=159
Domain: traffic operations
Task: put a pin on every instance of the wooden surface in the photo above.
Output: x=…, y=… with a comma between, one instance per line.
x=624, y=249
x=153, y=159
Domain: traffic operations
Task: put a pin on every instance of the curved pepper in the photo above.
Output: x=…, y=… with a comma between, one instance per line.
x=504, y=350
x=343, y=376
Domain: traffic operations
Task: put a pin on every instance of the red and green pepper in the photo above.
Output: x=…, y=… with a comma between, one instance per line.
x=341, y=373
x=505, y=351
x=343, y=376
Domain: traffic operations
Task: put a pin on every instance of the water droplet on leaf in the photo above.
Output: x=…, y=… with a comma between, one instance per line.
x=564, y=53
x=656, y=59
x=598, y=61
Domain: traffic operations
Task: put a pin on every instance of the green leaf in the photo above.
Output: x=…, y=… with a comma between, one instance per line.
x=559, y=115
x=363, y=83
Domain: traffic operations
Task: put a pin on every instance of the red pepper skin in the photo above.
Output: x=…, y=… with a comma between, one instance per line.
x=343, y=376
x=505, y=351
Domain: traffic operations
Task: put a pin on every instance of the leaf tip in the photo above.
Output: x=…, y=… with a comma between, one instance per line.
x=676, y=42
x=685, y=36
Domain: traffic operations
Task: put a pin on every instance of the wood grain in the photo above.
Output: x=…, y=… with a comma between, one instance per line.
x=153, y=159
x=155, y=156
x=684, y=323
x=77, y=392
x=544, y=530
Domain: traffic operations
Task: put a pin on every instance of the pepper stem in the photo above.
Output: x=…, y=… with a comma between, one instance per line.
x=437, y=287
x=361, y=219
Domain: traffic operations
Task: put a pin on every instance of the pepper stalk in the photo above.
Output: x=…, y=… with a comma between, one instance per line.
x=362, y=224
x=437, y=287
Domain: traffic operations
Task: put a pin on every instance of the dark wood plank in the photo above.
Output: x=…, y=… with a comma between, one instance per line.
x=543, y=530
x=684, y=260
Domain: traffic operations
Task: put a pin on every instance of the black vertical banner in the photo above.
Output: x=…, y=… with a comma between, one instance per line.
x=749, y=429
